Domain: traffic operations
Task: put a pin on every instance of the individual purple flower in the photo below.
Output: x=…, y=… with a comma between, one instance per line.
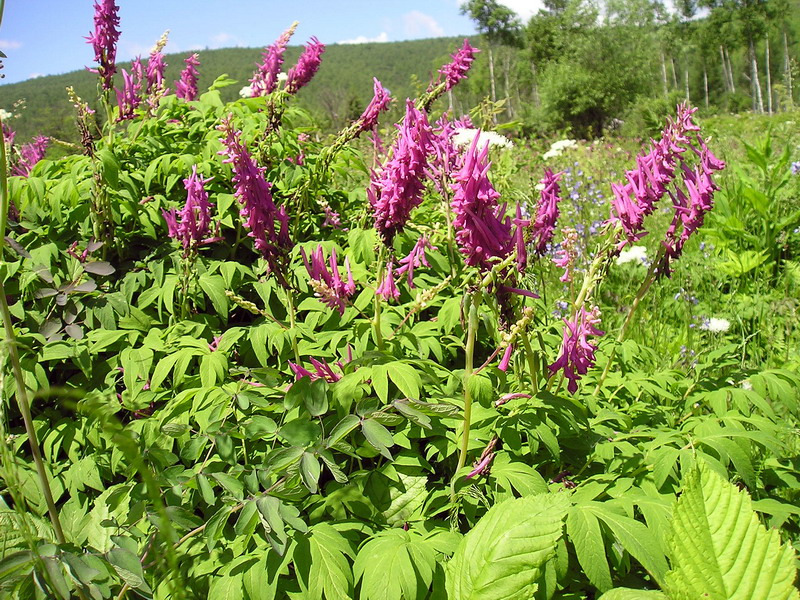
x=577, y=352
x=186, y=86
x=482, y=232
x=520, y=225
x=444, y=156
x=171, y=218
x=104, y=40
x=506, y=360
x=30, y=154
x=795, y=168
x=327, y=284
x=379, y=103
x=192, y=224
x=267, y=224
x=322, y=370
x=128, y=99
x=388, y=288
x=567, y=255
x=8, y=136
x=308, y=63
x=456, y=70
x=396, y=189
x=481, y=467
x=544, y=225
x=415, y=258
x=265, y=79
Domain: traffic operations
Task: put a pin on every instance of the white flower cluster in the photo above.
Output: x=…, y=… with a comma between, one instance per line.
x=4, y=114
x=245, y=92
x=715, y=325
x=464, y=137
x=557, y=148
x=637, y=254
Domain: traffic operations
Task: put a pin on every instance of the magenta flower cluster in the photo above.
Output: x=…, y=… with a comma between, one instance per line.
x=265, y=79
x=416, y=258
x=104, y=40
x=308, y=63
x=186, y=86
x=457, y=69
x=266, y=224
x=396, y=189
x=577, y=352
x=329, y=287
x=388, y=288
x=192, y=224
x=482, y=231
x=128, y=99
x=544, y=225
x=379, y=103
x=322, y=370
x=30, y=154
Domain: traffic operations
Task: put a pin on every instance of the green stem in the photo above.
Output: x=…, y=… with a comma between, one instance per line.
x=13, y=356
x=533, y=363
x=646, y=283
x=376, y=319
x=469, y=351
x=292, y=323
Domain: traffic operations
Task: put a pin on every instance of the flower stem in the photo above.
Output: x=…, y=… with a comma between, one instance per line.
x=13, y=356
x=473, y=299
x=376, y=319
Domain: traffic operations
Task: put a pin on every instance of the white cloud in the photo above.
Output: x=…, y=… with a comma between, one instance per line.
x=419, y=24
x=224, y=40
x=10, y=44
x=524, y=8
x=362, y=39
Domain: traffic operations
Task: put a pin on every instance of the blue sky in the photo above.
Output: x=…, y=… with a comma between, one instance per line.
x=44, y=37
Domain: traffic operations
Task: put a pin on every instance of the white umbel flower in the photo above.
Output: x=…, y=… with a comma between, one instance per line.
x=246, y=92
x=715, y=325
x=637, y=254
x=557, y=148
x=463, y=137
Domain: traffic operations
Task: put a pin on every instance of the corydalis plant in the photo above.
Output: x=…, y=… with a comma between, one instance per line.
x=265, y=79
x=396, y=188
x=267, y=224
x=186, y=86
x=457, y=69
x=308, y=63
x=191, y=225
x=30, y=154
x=544, y=224
x=327, y=284
x=128, y=99
x=577, y=352
x=104, y=41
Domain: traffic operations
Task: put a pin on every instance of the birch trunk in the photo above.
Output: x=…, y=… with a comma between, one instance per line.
x=705, y=84
x=769, y=78
x=754, y=81
x=725, y=79
x=491, y=74
x=664, y=74
x=674, y=75
x=730, y=71
x=787, y=69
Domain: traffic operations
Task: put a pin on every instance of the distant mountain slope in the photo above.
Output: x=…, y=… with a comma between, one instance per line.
x=342, y=86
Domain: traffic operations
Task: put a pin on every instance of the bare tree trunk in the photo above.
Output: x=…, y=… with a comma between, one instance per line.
x=686, y=82
x=758, y=100
x=787, y=69
x=730, y=71
x=664, y=73
x=725, y=78
x=769, y=78
x=507, y=88
x=705, y=84
x=491, y=74
x=534, y=86
x=674, y=75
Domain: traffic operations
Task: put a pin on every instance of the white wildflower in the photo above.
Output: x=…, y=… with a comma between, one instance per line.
x=715, y=325
x=246, y=92
x=746, y=385
x=557, y=148
x=4, y=114
x=464, y=137
x=282, y=77
x=637, y=254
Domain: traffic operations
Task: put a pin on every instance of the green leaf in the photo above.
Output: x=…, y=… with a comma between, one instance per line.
x=629, y=594
x=231, y=484
x=395, y=565
x=584, y=532
x=128, y=567
x=406, y=378
x=378, y=436
x=325, y=570
x=720, y=550
x=309, y=471
x=342, y=429
x=214, y=288
x=504, y=556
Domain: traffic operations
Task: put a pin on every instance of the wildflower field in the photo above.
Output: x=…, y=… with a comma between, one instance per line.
x=244, y=359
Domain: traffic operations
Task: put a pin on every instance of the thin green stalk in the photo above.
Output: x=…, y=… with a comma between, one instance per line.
x=292, y=323
x=469, y=351
x=13, y=356
x=376, y=319
x=533, y=363
x=646, y=283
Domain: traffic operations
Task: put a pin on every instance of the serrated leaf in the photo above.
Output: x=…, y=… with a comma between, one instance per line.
x=394, y=565
x=504, y=556
x=720, y=550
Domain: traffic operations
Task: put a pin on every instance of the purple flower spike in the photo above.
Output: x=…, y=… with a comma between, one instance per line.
x=30, y=154
x=128, y=99
x=186, y=87
x=519, y=239
x=267, y=225
x=193, y=222
x=388, y=288
x=265, y=79
x=104, y=40
x=322, y=370
x=547, y=212
x=577, y=353
x=155, y=72
x=415, y=258
x=379, y=103
x=328, y=285
x=308, y=63
x=396, y=189
x=456, y=70
x=481, y=231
